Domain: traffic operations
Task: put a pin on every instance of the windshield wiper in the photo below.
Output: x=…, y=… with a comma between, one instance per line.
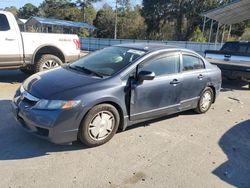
x=86, y=70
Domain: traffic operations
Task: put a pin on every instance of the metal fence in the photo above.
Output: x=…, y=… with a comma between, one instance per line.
x=92, y=44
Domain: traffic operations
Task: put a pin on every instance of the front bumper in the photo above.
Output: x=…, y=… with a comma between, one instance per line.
x=57, y=126
x=72, y=58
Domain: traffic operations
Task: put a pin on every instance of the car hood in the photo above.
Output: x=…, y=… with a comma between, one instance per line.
x=46, y=84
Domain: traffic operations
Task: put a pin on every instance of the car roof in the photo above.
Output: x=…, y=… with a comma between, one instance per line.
x=147, y=46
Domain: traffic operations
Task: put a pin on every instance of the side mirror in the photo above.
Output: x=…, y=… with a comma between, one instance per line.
x=145, y=75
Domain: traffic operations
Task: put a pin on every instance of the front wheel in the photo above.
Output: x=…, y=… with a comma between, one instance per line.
x=99, y=125
x=205, y=101
x=47, y=62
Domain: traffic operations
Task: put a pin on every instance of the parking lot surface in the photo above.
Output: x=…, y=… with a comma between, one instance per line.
x=183, y=150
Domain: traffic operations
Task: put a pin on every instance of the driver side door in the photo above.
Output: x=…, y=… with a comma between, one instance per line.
x=9, y=48
x=160, y=96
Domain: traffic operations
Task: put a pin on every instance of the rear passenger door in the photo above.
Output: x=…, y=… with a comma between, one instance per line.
x=194, y=79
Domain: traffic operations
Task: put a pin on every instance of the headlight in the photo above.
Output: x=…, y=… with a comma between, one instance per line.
x=22, y=89
x=56, y=104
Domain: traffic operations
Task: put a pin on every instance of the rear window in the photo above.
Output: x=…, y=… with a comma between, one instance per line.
x=241, y=47
x=192, y=63
x=4, y=24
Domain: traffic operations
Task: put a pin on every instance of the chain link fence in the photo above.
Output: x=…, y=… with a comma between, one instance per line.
x=92, y=44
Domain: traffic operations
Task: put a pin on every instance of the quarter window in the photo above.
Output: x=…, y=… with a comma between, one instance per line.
x=163, y=66
x=4, y=24
x=192, y=63
x=248, y=49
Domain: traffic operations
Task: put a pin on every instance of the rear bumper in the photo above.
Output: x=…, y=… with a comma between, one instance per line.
x=58, y=127
x=233, y=71
x=236, y=74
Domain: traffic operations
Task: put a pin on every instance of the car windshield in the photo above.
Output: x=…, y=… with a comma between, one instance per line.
x=107, y=61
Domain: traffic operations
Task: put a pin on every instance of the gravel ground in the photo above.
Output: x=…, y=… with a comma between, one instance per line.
x=184, y=150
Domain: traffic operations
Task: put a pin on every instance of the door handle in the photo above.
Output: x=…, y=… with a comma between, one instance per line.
x=10, y=39
x=200, y=77
x=175, y=82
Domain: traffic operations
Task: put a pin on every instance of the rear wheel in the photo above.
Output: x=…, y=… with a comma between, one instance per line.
x=99, y=125
x=47, y=62
x=205, y=101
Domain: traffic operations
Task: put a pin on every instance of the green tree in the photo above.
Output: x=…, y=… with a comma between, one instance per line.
x=198, y=36
x=84, y=4
x=104, y=22
x=12, y=9
x=186, y=15
x=90, y=14
x=60, y=9
x=124, y=5
x=246, y=34
x=131, y=24
x=27, y=11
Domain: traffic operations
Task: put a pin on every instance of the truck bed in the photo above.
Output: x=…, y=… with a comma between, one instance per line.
x=232, y=64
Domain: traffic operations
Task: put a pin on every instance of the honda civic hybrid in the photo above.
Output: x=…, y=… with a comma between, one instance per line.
x=112, y=89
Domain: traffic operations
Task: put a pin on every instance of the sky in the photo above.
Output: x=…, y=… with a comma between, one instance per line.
x=20, y=3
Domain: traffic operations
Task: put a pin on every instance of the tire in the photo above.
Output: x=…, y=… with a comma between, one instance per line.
x=47, y=62
x=92, y=132
x=204, y=106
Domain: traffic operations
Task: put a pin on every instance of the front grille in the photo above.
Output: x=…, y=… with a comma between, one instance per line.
x=37, y=130
x=28, y=102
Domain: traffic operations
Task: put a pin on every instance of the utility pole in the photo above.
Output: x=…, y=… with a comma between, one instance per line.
x=115, y=36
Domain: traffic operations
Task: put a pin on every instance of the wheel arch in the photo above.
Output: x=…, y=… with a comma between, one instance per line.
x=113, y=103
x=120, y=111
x=214, y=91
x=48, y=49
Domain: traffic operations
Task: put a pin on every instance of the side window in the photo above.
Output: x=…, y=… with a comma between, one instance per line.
x=192, y=63
x=4, y=24
x=162, y=66
x=243, y=47
x=248, y=49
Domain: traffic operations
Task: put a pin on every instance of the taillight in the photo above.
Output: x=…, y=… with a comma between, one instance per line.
x=77, y=43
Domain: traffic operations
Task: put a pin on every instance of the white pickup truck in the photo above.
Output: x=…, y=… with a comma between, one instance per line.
x=34, y=52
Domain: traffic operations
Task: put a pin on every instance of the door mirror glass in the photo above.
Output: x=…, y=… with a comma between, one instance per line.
x=146, y=75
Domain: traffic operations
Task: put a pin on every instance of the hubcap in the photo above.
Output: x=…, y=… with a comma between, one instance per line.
x=101, y=125
x=206, y=100
x=50, y=64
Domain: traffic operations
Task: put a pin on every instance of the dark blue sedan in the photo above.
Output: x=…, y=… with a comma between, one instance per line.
x=112, y=89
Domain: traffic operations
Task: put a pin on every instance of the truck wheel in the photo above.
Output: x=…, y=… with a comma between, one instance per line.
x=47, y=62
x=99, y=125
x=205, y=101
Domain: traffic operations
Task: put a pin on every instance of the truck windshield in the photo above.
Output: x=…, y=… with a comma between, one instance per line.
x=107, y=61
